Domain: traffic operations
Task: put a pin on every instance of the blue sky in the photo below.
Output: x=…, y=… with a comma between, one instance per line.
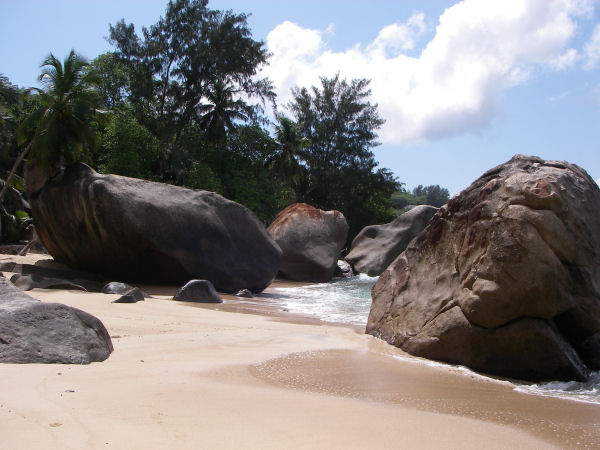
x=463, y=86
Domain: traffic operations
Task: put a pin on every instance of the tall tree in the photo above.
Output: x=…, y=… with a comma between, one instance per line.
x=10, y=96
x=341, y=124
x=291, y=156
x=433, y=195
x=178, y=60
x=59, y=130
x=113, y=79
x=221, y=110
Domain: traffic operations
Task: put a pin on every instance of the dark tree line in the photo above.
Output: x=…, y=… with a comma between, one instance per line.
x=433, y=195
x=181, y=102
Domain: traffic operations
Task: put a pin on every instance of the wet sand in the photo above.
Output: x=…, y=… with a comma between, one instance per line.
x=246, y=374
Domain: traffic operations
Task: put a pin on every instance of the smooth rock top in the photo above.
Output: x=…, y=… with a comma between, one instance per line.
x=150, y=232
x=116, y=287
x=199, y=291
x=376, y=246
x=311, y=240
x=36, y=332
x=505, y=278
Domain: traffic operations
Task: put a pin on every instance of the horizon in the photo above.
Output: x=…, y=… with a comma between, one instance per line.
x=463, y=87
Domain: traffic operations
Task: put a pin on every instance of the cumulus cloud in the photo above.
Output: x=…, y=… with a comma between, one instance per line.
x=479, y=50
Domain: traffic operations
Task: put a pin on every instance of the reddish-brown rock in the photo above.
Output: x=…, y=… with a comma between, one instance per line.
x=311, y=240
x=505, y=278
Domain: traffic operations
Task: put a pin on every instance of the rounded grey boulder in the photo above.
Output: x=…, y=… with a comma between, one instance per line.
x=200, y=291
x=150, y=232
x=36, y=332
x=376, y=246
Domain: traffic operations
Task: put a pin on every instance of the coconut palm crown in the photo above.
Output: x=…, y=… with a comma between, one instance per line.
x=291, y=153
x=221, y=110
x=59, y=130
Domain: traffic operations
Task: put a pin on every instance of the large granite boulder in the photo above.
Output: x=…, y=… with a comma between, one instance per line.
x=150, y=232
x=505, y=278
x=36, y=332
x=376, y=246
x=311, y=240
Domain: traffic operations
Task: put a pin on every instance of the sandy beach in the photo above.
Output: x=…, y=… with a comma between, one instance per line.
x=249, y=375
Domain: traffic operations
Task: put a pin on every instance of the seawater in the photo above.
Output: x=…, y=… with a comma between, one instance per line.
x=348, y=301
x=343, y=300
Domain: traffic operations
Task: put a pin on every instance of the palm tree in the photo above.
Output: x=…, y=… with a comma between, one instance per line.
x=58, y=131
x=290, y=157
x=221, y=111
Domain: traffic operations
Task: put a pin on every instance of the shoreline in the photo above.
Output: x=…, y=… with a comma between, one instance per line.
x=227, y=376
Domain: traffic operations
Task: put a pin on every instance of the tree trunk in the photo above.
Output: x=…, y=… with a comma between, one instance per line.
x=13, y=170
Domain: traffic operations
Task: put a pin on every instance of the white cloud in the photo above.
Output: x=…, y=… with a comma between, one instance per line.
x=396, y=38
x=566, y=61
x=480, y=49
x=592, y=49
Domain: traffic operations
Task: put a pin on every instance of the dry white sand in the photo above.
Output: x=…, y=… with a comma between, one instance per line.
x=183, y=376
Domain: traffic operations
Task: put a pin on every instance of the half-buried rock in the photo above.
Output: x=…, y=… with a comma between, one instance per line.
x=505, y=278
x=311, y=240
x=129, y=294
x=150, y=232
x=200, y=291
x=376, y=246
x=36, y=332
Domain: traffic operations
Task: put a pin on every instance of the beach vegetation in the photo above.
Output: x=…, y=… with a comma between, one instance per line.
x=182, y=102
x=433, y=195
x=290, y=158
x=341, y=123
x=59, y=130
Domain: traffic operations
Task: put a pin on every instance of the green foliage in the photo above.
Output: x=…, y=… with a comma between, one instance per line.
x=129, y=149
x=341, y=124
x=191, y=54
x=59, y=129
x=10, y=98
x=290, y=157
x=113, y=79
x=201, y=176
x=433, y=195
x=219, y=114
x=241, y=173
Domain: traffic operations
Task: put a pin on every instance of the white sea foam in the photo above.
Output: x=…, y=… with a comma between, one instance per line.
x=587, y=391
x=345, y=300
x=349, y=300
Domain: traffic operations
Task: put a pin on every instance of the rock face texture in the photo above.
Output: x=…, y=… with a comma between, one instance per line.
x=152, y=232
x=36, y=332
x=376, y=246
x=505, y=278
x=311, y=240
x=29, y=282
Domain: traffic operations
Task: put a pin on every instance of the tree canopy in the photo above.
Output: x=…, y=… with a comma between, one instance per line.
x=341, y=124
x=433, y=195
x=184, y=59
x=183, y=103
x=59, y=129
